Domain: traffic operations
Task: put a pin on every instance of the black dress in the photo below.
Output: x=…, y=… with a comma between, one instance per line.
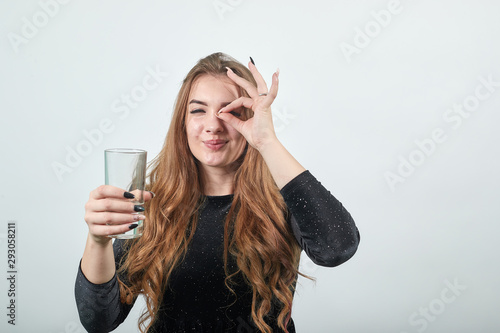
x=196, y=298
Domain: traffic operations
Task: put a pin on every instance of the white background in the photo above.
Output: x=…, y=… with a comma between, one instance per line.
x=349, y=117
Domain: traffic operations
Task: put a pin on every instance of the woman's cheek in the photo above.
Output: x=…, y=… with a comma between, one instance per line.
x=194, y=126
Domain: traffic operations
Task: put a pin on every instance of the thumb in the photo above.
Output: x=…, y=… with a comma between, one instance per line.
x=148, y=195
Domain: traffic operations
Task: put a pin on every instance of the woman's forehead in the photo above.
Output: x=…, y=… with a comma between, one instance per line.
x=209, y=87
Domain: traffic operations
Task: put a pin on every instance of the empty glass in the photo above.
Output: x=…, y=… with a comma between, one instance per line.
x=126, y=168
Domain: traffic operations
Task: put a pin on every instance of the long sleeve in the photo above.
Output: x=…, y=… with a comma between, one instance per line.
x=99, y=305
x=322, y=226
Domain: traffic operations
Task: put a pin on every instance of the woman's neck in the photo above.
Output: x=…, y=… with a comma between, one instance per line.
x=217, y=181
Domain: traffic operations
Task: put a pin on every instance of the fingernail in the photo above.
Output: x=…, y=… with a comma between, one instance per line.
x=253, y=62
x=219, y=112
x=133, y=226
x=138, y=208
x=229, y=69
x=277, y=72
x=139, y=217
x=152, y=194
x=128, y=195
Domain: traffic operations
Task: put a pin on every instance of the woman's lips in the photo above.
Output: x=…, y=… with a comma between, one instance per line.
x=214, y=144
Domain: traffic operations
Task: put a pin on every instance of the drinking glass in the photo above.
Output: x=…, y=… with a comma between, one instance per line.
x=126, y=168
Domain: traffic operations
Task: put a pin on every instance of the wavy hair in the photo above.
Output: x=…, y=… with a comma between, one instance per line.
x=257, y=236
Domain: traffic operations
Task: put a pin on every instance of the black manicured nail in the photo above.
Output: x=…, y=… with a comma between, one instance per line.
x=133, y=226
x=138, y=208
x=253, y=62
x=128, y=195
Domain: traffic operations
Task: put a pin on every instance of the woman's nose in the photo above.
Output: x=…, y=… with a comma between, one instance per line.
x=213, y=123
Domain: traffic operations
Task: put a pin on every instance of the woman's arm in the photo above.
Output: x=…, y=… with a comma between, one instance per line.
x=282, y=165
x=99, y=305
x=108, y=211
x=323, y=227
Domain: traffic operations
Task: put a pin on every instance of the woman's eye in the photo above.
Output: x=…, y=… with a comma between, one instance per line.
x=236, y=114
x=196, y=111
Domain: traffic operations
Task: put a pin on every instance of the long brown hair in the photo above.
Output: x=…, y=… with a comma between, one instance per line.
x=257, y=236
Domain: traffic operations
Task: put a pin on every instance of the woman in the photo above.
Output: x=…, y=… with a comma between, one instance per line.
x=231, y=213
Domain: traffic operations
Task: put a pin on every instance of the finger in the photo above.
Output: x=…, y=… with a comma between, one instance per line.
x=113, y=205
x=273, y=91
x=109, y=191
x=110, y=218
x=109, y=230
x=236, y=104
x=148, y=195
x=233, y=121
x=141, y=195
x=261, y=83
x=248, y=86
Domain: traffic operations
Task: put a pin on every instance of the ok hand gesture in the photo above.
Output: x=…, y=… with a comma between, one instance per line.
x=258, y=130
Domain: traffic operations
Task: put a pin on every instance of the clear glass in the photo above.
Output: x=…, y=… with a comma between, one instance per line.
x=126, y=168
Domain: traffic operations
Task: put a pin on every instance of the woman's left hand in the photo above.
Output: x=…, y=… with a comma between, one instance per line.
x=258, y=130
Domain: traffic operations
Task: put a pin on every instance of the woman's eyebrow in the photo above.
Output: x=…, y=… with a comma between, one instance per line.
x=195, y=101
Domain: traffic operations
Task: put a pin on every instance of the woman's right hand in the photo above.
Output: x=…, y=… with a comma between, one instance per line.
x=109, y=212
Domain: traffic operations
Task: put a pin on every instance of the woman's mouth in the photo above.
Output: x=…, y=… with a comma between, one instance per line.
x=214, y=144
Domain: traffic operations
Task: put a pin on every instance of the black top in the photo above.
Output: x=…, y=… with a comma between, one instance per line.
x=196, y=298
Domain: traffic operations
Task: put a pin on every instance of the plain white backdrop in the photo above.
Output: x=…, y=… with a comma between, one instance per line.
x=392, y=105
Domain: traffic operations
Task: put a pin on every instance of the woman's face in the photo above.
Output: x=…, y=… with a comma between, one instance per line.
x=213, y=143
